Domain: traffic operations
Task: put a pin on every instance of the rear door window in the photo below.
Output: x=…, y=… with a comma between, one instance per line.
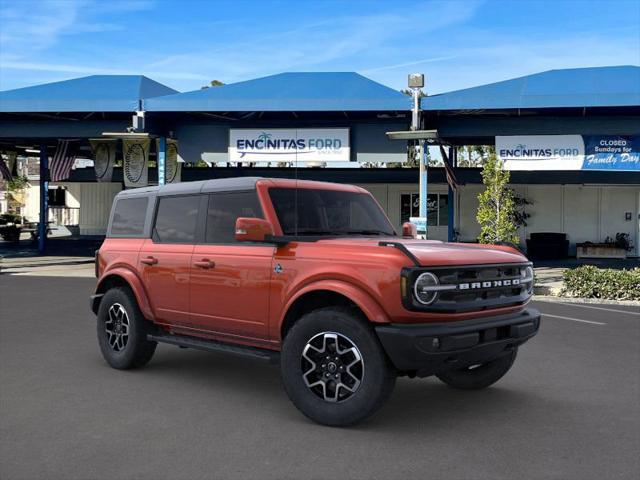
x=176, y=219
x=223, y=211
x=128, y=217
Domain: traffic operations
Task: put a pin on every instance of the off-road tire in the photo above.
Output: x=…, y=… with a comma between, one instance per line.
x=378, y=375
x=481, y=376
x=137, y=351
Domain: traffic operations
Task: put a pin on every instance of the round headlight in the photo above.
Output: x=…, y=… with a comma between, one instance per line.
x=526, y=274
x=424, y=290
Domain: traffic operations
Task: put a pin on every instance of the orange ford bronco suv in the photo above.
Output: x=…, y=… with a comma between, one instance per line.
x=313, y=276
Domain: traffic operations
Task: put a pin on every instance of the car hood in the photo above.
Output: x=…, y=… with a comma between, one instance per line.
x=433, y=252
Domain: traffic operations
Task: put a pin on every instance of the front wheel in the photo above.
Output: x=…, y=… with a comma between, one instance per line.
x=480, y=376
x=334, y=369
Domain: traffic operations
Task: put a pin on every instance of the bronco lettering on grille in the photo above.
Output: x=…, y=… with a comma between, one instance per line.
x=511, y=282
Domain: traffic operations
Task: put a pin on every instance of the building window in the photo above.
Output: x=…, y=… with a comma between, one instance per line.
x=437, y=208
x=57, y=197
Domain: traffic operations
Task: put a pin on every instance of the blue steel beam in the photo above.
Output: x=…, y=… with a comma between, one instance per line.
x=162, y=160
x=44, y=199
x=453, y=158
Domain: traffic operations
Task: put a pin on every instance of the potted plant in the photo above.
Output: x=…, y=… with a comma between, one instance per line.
x=617, y=247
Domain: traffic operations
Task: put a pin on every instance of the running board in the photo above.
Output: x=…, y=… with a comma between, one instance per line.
x=215, y=346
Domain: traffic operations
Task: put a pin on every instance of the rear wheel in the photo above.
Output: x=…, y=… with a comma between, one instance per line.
x=334, y=368
x=480, y=376
x=122, y=331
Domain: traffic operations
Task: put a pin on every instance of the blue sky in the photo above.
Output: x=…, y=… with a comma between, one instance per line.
x=184, y=44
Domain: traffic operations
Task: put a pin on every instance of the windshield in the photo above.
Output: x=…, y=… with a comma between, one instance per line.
x=328, y=212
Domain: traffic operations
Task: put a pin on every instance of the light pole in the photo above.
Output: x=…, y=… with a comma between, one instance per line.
x=416, y=83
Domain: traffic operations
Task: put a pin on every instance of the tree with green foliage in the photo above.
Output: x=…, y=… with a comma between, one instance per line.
x=213, y=83
x=474, y=155
x=496, y=209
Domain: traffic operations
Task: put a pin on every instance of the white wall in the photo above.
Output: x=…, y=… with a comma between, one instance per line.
x=583, y=212
x=95, y=205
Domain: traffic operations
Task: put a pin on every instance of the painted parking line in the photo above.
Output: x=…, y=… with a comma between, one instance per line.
x=594, y=308
x=573, y=319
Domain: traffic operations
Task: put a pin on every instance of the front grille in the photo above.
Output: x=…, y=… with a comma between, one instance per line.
x=473, y=287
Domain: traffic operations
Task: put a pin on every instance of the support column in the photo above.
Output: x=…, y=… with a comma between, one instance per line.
x=44, y=199
x=162, y=160
x=453, y=158
x=423, y=184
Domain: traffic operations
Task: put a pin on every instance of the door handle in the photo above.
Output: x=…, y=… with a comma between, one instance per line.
x=149, y=260
x=205, y=263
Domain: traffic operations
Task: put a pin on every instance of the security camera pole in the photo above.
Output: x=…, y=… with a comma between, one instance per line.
x=416, y=83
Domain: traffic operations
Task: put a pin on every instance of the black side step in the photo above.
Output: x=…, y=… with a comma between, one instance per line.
x=214, y=346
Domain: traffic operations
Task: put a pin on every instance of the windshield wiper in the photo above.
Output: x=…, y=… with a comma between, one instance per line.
x=369, y=232
x=321, y=232
x=343, y=232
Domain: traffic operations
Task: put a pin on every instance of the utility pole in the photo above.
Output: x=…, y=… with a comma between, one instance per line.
x=416, y=83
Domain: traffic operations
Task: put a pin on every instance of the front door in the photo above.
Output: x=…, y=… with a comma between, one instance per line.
x=165, y=259
x=230, y=280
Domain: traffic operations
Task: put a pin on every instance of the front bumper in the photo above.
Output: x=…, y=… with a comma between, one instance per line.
x=426, y=349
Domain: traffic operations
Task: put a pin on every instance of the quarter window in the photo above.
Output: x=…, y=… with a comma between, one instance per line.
x=224, y=209
x=176, y=219
x=128, y=217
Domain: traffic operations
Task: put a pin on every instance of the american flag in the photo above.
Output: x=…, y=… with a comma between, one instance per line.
x=4, y=170
x=62, y=161
x=451, y=174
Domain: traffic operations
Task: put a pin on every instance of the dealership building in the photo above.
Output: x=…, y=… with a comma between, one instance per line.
x=571, y=139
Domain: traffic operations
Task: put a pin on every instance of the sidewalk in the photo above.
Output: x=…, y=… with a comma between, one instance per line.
x=548, y=280
x=48, y=266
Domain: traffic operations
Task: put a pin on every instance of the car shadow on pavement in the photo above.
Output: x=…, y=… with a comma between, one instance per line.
x=415, y=404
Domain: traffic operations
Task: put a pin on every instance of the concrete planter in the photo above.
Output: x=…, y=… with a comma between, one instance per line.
x=594, y=250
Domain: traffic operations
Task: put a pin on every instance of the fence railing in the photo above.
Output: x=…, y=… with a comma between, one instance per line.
x=64, y=215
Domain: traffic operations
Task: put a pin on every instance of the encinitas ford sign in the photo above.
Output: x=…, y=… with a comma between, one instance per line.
x=541, y=152
x=289, y=145
x=569, y=152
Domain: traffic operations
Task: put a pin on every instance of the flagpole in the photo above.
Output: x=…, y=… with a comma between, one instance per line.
x=44, y=199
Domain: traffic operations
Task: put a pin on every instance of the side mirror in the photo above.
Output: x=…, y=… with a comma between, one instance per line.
x=409, y=230
x=252, y=229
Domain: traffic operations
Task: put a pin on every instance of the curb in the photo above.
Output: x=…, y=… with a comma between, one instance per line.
x=597, y=301
x=546, y=290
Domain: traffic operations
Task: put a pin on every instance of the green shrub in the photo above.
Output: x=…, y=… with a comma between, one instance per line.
x=588, y=281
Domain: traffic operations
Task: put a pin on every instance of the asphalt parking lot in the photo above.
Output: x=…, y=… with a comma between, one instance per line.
x=568, y=409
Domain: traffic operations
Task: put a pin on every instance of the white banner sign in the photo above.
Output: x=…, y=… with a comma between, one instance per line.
x=173, y=165
x=104, y=157
x=541, y=152
x=136, y=162
x=289, y=145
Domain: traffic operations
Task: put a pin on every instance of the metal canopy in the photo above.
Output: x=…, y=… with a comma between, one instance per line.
x=96, y=93
x=431, y=136
x=288, y=92
x=617, y=86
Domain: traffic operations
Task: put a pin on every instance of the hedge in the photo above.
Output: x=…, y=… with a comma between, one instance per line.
x=588, y=281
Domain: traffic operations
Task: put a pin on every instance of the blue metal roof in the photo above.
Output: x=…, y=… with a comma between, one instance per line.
x=577, y=87
x=298, y=92
x=96, y=93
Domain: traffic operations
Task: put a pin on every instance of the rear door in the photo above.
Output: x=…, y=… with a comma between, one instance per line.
x=230, y=280
x=165, y=258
